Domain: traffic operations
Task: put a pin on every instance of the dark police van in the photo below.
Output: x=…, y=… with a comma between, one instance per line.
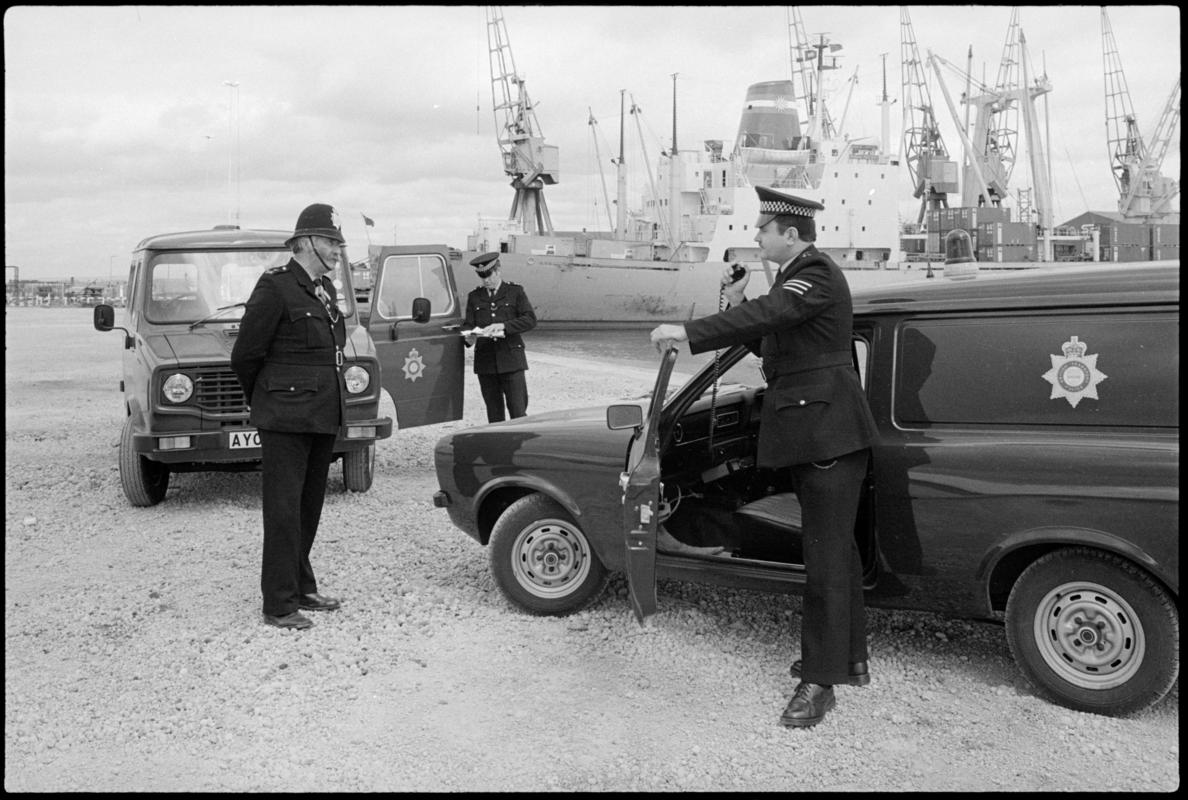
x=1026, y=470
x=184, y=410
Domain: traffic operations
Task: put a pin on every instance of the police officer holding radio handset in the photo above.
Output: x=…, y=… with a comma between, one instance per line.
x=815, y=422
x=288, y=358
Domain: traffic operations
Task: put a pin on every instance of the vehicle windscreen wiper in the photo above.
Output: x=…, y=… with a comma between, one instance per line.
x=218, y=312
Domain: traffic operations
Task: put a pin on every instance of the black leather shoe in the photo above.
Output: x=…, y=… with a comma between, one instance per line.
x=859, y=672
x=295, y=620
x=808, y=705
x=317, y=602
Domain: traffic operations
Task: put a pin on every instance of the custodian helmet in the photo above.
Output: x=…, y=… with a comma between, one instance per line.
x=318, y=220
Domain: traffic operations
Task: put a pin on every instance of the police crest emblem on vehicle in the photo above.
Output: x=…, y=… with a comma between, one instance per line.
x=1074, y=375
x=414, y=367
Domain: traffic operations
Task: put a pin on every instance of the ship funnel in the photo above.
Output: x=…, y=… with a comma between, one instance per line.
x=769, y=118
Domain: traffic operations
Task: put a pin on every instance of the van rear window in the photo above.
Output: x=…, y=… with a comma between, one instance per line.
x=1108, y=369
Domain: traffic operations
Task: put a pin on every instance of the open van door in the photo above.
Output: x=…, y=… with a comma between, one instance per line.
x=415, y=322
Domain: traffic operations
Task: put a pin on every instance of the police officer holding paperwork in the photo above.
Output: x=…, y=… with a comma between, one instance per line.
x=816, y=423
x=288, y=358
x=496, y=314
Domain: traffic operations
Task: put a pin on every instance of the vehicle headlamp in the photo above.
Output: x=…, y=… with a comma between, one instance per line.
x=357, y=379
x=178, y=388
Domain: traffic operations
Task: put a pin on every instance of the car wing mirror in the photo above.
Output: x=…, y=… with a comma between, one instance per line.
x=619, y=417
x=421, y=309
x=104, y=319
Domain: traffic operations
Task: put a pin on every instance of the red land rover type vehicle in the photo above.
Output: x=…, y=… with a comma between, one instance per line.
x=184, y=408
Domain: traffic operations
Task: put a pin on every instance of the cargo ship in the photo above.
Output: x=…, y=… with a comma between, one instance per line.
x=664, y=257
x=666, y=263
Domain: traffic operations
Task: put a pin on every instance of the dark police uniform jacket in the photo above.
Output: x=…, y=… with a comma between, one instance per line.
x=814, y=408
x=511, y=307
x=288, y=354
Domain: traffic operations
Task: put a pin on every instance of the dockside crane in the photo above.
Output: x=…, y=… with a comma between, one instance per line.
x=527, y=160
x=991, y=146
x=1143, y=192
x=933, y=173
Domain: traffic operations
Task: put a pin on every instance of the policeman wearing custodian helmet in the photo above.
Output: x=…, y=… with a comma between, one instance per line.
x=288, y=358
x=815, y=422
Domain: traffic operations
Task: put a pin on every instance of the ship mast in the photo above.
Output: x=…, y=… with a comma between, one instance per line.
x=674, y=189
x=593, y=123
x=621, y=174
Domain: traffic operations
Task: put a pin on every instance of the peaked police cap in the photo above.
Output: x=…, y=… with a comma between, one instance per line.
x=485, y=263
x=774, y=204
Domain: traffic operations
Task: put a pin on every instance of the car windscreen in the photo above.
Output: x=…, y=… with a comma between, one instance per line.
x=185, y=287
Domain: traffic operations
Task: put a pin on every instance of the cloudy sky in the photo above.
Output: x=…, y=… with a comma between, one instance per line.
x=119, y=123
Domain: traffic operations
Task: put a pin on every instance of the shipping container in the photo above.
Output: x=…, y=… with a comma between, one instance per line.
x=1163, y=234
x=1125, y=233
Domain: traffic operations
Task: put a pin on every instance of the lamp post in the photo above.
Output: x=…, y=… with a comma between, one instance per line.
x=233, y=154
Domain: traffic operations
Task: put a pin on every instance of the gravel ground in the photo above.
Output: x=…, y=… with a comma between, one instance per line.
x=135, y=657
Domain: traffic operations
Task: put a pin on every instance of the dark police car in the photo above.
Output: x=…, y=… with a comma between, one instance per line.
x=1027, y=469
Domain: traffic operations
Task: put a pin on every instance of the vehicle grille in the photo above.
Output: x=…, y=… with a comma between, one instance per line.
x=216, y=389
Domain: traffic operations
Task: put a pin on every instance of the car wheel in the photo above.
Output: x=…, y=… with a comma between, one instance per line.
x=541, y=559
x=1092, y=632
x=358, y=468
x=144, y=481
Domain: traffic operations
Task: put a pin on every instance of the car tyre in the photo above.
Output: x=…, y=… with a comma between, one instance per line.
x=358, y=468
x=542, y=561
x=144, y=481
x=1093, y=632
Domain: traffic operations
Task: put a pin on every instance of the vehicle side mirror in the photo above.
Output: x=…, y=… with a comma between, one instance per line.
x=104, y=317
x=624, y=416
x=421, y=309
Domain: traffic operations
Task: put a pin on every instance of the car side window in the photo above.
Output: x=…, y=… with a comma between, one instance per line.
x=1105, y=369
x=406, y=277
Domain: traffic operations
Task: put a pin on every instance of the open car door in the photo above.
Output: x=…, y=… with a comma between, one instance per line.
x=641, y=497
x=418, y=344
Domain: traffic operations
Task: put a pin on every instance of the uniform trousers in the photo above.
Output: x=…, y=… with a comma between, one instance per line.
x=295, y=466
x=498, y=387
x=833, y=625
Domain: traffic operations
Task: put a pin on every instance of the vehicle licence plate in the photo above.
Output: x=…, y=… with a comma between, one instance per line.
x=242, y=440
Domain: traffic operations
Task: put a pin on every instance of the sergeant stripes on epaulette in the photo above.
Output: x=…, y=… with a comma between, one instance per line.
x=797, y=285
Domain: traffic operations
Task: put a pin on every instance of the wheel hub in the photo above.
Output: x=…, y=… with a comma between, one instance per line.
x=1089, y=635
x=549, y=559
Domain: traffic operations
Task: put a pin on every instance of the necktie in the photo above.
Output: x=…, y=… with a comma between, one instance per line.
x=331, y=308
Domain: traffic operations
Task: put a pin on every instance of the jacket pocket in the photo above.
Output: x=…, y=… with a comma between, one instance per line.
x=806, y=397
x=295, y=387
x=310, y=326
